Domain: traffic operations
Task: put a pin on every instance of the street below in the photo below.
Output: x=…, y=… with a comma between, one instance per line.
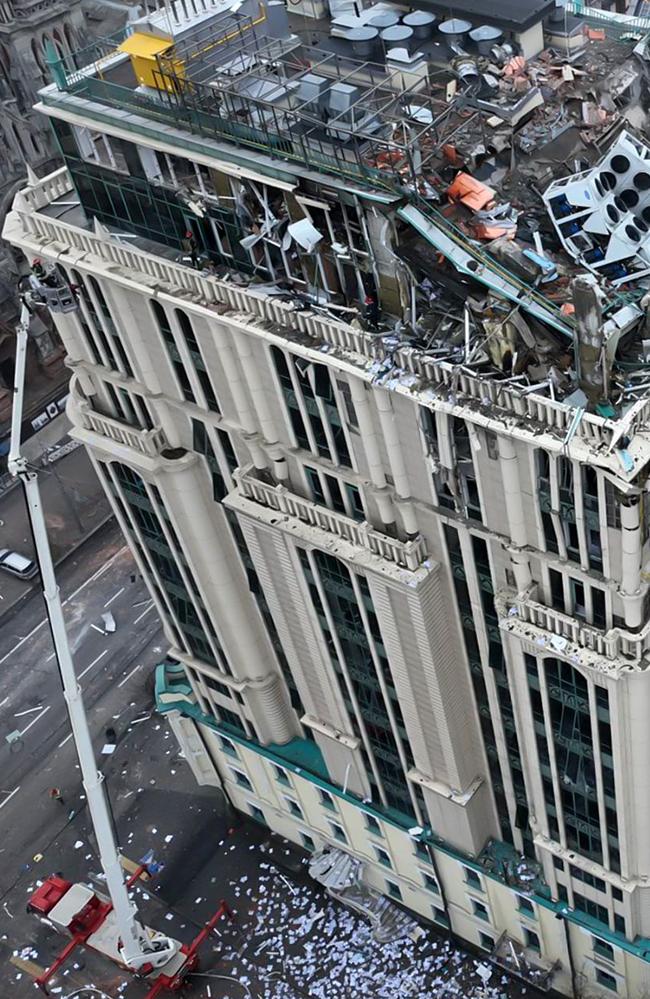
x=287, y=940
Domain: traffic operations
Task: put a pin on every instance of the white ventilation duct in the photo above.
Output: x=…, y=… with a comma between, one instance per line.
x=602, y=215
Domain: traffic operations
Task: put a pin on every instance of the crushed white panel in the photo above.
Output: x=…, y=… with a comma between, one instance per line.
x=335, y=869
x=602, y=215
x=340, y=873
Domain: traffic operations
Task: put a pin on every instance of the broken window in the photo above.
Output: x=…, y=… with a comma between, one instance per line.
x=430, y=431
x=591, y=508
x=462, y=442
x=444, y=494
x=492, y=445
x=578, y=599
x=346, y=396
x=544, y=499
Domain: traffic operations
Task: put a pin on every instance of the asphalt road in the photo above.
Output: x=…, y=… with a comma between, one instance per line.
x=36, y=751
x=287, y=939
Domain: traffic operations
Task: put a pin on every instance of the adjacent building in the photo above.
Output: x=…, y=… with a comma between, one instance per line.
x=388, y=488
x=29, y=31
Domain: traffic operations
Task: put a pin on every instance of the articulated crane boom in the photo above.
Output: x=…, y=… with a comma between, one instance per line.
x=140, y=949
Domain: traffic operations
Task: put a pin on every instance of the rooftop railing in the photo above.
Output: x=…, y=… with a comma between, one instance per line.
x=454, y=385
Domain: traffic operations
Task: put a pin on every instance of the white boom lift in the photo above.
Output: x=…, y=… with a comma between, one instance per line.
x=140, y=949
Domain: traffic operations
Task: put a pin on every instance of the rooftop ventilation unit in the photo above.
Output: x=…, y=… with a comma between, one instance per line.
x=611, y=204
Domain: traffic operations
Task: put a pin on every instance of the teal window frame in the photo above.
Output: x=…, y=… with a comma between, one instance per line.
x=382, y=856
x=431, y=883
x=294, y=808
x=326, y=800
x=282, y=776
x=372, y=825
x=257, y=813
x=603, y=949
x=532, y=940
x=473, y=879
x=241, y=779
x=606, y=980
x=394, y=890
x=228, y=747
x=338, y=832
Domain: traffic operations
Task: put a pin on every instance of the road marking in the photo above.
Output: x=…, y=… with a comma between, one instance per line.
x=10, y=796
x=34, y=720
x=91, y=579
x=114, y=597
x=100, y=630
x=134, y=670
x=140, y=616
x=2, y=703
x=50, y=657
x=29, y=711
x=93, y=663
x=30, y=967
x=64, y=741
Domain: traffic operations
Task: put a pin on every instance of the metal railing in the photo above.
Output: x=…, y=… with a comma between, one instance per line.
x=408, y=554
x=521, y=290
x=455, y=386
x=613, y=23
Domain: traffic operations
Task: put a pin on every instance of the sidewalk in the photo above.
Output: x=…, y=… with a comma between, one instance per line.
x=75, y=506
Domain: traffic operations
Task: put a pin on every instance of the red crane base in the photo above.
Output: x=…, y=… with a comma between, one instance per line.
x=94, y=917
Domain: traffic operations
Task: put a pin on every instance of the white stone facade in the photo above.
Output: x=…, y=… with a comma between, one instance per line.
x=374, y=562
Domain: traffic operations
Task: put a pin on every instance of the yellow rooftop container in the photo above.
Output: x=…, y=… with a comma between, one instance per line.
x=143, y=50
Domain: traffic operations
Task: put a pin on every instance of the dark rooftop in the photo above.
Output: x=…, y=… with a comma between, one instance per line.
x=510, y=15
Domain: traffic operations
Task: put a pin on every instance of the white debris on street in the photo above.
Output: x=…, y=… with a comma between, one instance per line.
x=301, y=943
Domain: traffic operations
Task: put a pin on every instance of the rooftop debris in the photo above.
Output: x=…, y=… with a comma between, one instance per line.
x=492, y=171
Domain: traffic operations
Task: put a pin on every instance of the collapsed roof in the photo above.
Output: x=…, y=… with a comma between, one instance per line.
x=473, y=150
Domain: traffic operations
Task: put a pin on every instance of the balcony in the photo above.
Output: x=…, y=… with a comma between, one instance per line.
x=613, y=644
x=147, y=442
x=407, y=554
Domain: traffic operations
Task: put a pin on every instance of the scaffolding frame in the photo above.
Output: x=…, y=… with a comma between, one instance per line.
x=376, y=139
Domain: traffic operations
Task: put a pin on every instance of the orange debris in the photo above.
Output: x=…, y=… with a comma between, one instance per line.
x=472, y=193
x=568, y=309
x=596, y=34
x=515, y=66
x=483, y=231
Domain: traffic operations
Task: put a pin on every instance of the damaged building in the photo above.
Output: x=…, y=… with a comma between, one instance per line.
x=355, y=301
